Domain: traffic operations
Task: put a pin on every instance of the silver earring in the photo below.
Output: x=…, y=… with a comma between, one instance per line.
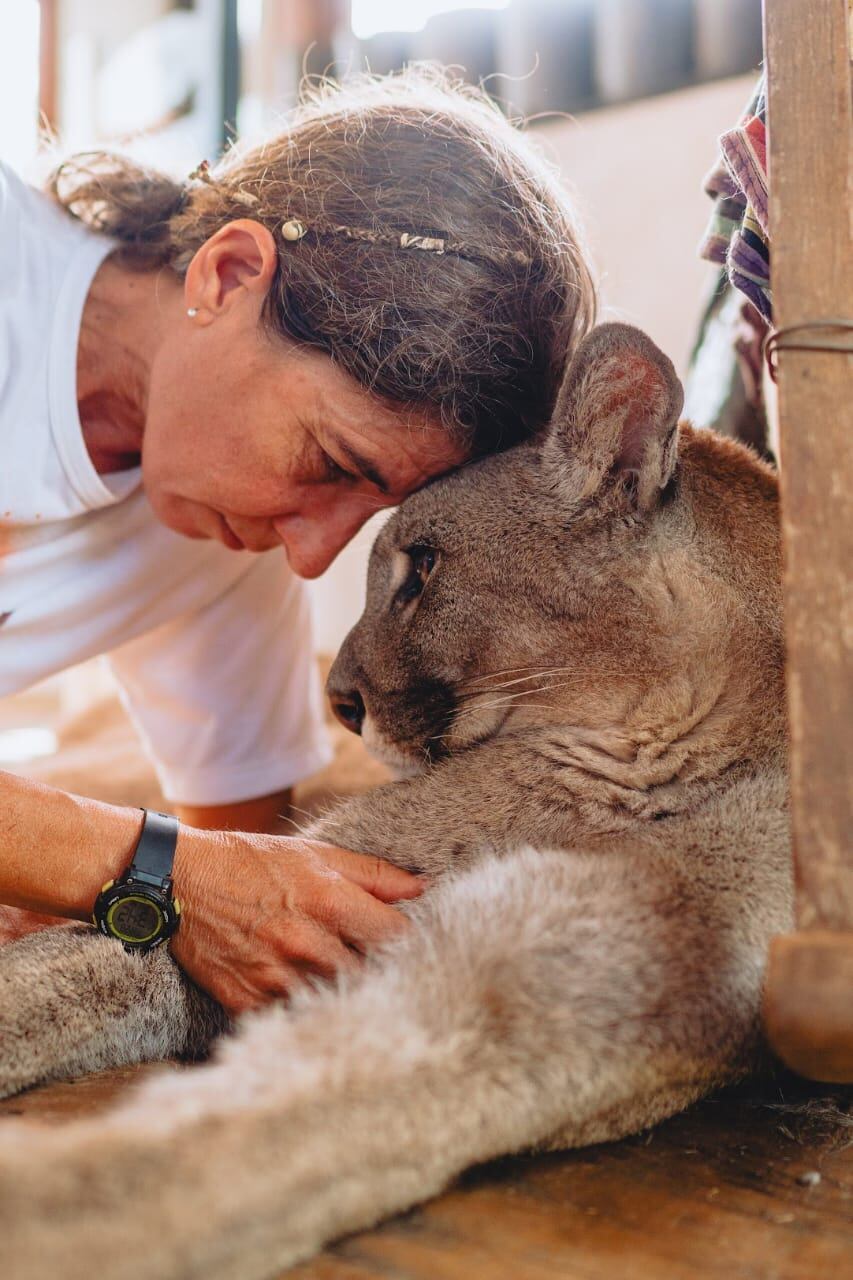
x=192, y=312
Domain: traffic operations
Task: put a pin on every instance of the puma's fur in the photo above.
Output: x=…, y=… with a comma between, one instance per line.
x=584, y=679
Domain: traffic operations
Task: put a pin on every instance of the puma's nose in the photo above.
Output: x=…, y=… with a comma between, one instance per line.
x=349, y=709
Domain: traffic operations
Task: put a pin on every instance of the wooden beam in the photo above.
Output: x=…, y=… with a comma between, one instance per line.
x=811, y=175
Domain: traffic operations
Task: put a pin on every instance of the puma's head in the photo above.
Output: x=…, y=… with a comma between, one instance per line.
x=618, y=578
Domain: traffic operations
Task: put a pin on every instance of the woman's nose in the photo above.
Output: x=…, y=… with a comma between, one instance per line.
x=312, y=541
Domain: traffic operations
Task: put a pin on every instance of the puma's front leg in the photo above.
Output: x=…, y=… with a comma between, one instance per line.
x=508, y=792
x=73, y=1001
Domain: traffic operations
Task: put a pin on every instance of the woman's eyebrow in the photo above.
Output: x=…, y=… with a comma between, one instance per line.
x=364, y=466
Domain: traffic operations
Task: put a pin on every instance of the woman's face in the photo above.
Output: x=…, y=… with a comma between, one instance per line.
x=257, y=442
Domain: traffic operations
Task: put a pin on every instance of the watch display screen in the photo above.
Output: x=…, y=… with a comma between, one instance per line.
x=135, y=919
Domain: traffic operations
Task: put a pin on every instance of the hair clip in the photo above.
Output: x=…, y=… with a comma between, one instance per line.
x=293, y=229
x=201, y=173
x=431, y=244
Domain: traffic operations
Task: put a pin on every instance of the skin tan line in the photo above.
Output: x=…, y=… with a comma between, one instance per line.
x=574, y=651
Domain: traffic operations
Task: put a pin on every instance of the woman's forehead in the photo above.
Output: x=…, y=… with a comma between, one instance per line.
x=348, y=404
x=406, y=444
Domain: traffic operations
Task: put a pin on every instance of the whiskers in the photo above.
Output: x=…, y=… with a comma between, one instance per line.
x=299, y=828
x=537, y=680
x=493, y=679
x=512, y=691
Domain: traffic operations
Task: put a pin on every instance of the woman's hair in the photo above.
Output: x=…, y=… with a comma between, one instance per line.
x=478, y=333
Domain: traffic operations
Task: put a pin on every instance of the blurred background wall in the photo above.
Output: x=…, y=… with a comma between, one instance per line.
x=626, y=97
x=107, y=70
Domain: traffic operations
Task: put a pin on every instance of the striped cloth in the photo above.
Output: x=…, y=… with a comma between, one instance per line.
x=737, y=236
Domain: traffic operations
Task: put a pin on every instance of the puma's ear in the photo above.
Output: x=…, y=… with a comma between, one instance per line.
x=616, y=417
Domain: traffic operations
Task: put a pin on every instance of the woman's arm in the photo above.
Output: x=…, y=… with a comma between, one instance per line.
x=57, y=849
x=259, y=912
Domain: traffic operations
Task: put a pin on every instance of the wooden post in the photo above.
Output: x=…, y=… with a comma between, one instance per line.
x=48, y=58
x=309, y=29
x=809, y=995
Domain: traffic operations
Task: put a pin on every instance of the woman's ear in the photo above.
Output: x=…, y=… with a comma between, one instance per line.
x=616, y=418
x=238, y=260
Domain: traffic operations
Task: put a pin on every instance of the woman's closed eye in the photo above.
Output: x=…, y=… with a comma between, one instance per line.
x=359, y=467
x=334, y=472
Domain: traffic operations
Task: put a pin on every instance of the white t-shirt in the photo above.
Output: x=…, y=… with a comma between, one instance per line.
x=212, y=647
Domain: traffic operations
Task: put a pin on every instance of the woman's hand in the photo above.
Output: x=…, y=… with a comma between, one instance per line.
x=259, y=913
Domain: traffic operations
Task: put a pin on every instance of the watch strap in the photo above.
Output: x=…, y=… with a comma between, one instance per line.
x=154, y=854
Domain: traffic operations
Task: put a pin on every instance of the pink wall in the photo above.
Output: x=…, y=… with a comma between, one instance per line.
x=636, y=173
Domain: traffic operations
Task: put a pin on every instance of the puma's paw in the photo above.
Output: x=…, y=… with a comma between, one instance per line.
x=73, y=1001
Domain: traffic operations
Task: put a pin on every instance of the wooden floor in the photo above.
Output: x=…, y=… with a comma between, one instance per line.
x=734, y=1189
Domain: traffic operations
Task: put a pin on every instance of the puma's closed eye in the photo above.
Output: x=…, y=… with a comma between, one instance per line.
x=422, y=561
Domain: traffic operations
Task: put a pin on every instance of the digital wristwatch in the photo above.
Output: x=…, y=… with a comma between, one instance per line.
x=138, y=909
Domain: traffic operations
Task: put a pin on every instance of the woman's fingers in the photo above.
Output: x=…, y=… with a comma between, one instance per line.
x=360, y=919
x=381, y=879
x=276, y=983
x=312, y=949
x=323, y=956
x=354, y=902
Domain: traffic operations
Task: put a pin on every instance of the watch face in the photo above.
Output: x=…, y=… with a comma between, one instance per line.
x=135, y=919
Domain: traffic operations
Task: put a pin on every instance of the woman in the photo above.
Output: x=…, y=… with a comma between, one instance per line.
x=253, y=362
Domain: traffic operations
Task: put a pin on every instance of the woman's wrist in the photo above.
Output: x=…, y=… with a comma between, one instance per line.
x=203, y=859
x=203, y=882
x=191, y=869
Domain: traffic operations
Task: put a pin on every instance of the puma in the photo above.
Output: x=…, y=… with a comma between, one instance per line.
x=574, y=651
